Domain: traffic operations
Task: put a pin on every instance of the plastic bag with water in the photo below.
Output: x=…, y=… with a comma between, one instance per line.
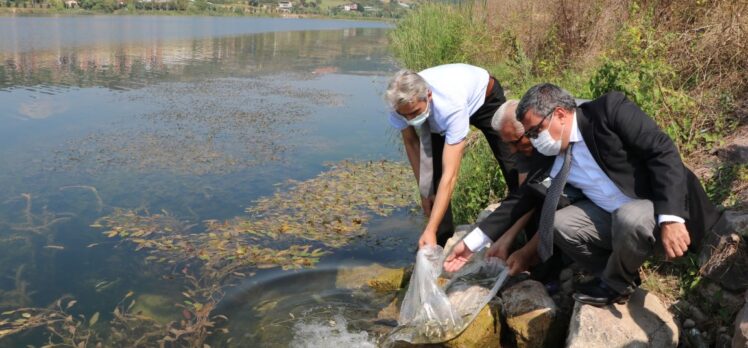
x=431, y=313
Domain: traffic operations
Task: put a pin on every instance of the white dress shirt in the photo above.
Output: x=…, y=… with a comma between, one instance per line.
x=584, y=174
x=457, y=92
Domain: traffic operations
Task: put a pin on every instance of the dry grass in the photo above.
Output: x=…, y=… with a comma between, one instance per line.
x=703, y=43
x=579, y=29
x=710, y=55
x=710, y=48
x=661, y=281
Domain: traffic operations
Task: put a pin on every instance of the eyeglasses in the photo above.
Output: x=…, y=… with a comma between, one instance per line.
x=516, y=142
x=534, y=131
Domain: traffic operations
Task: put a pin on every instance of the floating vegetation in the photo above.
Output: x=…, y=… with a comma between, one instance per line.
x=168, y=240
x=201, y=127
x=126, y=329
x=331, y=208
x=130, y=329
x=291, y=229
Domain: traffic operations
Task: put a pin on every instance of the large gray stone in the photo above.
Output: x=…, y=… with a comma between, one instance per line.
x=740, y=337
x=738, y=221
x=724, y=254
x=642, y=322
x=714, y=295
x=531, y=315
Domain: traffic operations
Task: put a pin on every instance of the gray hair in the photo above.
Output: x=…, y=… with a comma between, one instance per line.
x=501, y=117
x=406, y=87
x=543, y=99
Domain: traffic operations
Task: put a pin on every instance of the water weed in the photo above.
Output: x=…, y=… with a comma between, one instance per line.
x=293, y=228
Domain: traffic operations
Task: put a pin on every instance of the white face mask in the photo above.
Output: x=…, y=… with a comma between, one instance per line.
x=420, y=119
x=545, y=144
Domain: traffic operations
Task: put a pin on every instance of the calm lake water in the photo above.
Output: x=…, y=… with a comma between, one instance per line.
x=197, y=117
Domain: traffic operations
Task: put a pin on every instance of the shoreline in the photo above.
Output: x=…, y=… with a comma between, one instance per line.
x=7, y=12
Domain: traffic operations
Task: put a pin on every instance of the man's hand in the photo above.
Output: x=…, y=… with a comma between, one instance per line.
x=501, y=247
x=427, y=203
x=427, y=238
x=675, y=239
x=459, y=256
x=521, y=260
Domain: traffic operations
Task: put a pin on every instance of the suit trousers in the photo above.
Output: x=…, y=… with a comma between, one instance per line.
x=610, y=245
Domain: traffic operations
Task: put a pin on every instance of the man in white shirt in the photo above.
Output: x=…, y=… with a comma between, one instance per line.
x=444, y=101
x=641, y=196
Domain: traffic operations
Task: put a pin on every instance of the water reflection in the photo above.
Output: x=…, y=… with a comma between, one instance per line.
x=133, y=65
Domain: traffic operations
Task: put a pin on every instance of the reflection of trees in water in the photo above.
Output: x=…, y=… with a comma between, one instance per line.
x=213, y=126
x=131, y=66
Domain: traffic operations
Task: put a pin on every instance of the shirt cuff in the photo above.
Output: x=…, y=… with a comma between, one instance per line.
x=669, y=218
x=476, y=240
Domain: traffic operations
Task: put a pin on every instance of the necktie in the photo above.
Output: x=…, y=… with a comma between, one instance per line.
x=426, y=165
x=548, y=213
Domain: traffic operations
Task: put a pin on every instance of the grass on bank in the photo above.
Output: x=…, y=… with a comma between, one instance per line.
x=634, y=56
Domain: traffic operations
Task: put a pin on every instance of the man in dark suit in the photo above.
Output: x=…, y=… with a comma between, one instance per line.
x=640, y=194
x=514, y=214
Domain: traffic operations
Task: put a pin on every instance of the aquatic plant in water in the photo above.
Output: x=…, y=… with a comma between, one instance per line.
x=65, y=330
x=331, y=209
x=328, y=211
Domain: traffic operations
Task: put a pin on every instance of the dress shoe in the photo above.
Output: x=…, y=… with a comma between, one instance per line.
x=584, y=284
x=599, y=294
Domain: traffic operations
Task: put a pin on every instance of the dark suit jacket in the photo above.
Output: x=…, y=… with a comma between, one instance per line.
x=519, y=202
x=637, y=156
x=644, y=162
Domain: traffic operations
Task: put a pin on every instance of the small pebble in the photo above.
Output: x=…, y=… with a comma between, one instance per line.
x=695, y=339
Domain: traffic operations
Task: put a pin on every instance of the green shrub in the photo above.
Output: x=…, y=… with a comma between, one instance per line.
x=639, y=69
x=638, y=65
x=480, y=182
x=435, y=34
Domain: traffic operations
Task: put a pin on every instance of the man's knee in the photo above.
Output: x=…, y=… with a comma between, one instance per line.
x=634, y=224
x=565, y=229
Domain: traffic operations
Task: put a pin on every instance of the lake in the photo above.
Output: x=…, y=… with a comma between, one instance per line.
x=135, y=151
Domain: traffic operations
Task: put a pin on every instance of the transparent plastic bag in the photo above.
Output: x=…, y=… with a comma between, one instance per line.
x=431, y=313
